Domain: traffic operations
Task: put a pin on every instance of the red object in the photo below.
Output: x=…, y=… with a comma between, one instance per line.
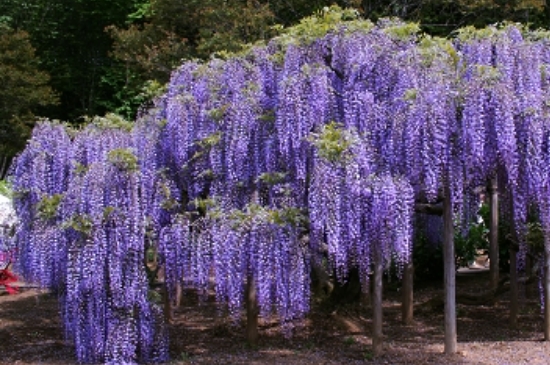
x=6, y=278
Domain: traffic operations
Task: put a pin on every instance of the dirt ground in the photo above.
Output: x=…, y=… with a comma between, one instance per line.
x=31, y=332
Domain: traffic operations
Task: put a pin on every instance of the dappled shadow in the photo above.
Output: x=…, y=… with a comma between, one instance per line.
x=31, y=331
x=342, y=335
x=201, y=333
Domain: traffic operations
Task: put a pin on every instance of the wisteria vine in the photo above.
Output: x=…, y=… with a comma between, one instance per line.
x=257, y=165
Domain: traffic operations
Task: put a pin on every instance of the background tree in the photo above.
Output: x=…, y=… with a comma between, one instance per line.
x=73, y=48
x=152, y=36
x=441, y=17
x=24, y=91
x=157, y=37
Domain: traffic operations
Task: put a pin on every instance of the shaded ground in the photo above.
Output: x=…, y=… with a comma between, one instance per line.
x=31, y=333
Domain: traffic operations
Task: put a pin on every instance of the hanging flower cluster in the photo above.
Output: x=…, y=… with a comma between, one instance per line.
x=82, y=232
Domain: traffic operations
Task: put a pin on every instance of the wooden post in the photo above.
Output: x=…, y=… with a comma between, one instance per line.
x=377, y=340
x=546, y=287
x=179, y=294
x=450, y=279
x=407, y=305
x=251, y=312
x=493, y=233
x=514, y=304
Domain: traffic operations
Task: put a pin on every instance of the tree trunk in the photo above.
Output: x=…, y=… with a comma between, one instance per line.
x=407, y=305
x=168, y=314
x=251, y=312
x=450, y=279
x=546, y=287
x=377, y=340
x=3, y=167
x=171, y=305
x=514, y=304
x=493, y=232
x=528, y=265
x=251, y=298
x=321, y=283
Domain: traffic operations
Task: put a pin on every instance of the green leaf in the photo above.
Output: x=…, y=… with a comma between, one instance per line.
x=48, y=206
x=332, y=142
x=124, y=159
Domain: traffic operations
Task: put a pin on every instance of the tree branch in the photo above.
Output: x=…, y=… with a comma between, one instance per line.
x=427, y=208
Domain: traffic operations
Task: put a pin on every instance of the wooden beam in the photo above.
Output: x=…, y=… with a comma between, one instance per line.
x=427, y=208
